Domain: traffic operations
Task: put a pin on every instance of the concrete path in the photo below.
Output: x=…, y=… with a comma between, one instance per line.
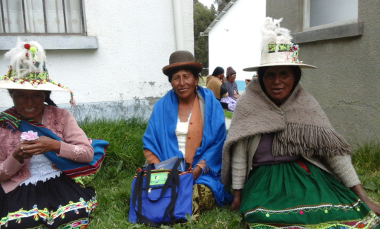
x=228, y=123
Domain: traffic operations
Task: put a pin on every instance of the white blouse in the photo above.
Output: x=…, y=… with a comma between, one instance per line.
x=181, y=133
x=40, y=170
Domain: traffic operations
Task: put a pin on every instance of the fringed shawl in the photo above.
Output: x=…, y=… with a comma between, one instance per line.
x=300, y=125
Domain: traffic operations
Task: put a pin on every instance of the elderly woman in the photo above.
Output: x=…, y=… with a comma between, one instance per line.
x=188, y=122
x=289, y=168
x=35, y=136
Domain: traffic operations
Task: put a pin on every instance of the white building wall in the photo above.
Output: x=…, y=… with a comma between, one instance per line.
x=235, y=40
x=123, y=77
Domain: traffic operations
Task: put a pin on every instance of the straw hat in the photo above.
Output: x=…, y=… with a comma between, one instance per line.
x=179, y=60
x=277, y=48
x=28, y=70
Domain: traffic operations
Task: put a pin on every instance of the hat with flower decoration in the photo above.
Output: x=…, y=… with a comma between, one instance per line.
x=28, y=70
x=277, y=48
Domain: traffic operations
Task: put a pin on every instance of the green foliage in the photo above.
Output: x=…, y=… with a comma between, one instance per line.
x=221, y=4
x=203, y=16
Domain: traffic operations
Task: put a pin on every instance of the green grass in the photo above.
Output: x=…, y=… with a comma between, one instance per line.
x=227, y=114
x=124, y=155
x=366, y=160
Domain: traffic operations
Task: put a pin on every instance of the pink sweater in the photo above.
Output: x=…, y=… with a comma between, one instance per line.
x=74, y=146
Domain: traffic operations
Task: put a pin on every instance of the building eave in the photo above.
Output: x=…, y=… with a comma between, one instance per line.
x=218, y=17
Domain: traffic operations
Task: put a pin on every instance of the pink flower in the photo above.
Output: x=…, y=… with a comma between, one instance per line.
x=28, y=136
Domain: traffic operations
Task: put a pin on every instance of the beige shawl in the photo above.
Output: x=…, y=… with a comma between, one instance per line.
x=301, y=126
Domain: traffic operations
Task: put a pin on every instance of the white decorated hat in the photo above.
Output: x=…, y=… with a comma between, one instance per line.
x=28, y=70
x=277, y=48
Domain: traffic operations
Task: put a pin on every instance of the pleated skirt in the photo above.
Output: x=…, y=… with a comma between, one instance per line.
x=300, y=195
x=56, y=203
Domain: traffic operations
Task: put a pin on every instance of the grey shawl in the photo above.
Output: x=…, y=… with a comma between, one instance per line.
x=300, y=125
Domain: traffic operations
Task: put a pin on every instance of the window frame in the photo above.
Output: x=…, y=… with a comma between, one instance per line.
x=52, y=41
x=306, y=19
x=64, y=11
x=349, y=28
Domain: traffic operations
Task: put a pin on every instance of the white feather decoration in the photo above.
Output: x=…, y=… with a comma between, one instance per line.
x=23, y=61
x=272, y=33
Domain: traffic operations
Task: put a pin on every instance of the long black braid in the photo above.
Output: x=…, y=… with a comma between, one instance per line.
x=48, y=100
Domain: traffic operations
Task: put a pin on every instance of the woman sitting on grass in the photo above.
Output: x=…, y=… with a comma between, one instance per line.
x=289, y=167
x=188, y=122
x=34, y=192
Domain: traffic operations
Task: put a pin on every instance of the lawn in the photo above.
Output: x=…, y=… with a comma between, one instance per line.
x=227, y=114
x=124, y=155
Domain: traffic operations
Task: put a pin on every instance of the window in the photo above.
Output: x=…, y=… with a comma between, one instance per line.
x=323, y=12
x=52, y=17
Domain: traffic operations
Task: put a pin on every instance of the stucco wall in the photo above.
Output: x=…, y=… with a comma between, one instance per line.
x=346, y=82
x=235, y=40
x=124, y=74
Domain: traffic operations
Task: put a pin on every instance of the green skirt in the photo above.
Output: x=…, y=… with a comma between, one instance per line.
x=300, y=195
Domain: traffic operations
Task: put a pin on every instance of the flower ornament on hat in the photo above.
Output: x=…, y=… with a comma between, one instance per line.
x=277, y=48
x=28, y=70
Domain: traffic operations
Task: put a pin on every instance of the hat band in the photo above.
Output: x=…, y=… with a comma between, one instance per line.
x=280, y=53
x=30, y=76
x=283, y=47
x=34, y=78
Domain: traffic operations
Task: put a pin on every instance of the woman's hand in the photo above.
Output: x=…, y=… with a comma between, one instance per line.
x=358, y=190
x=19, y=154
x=39, y=146
x=235, y=205
x=375, y=208
x=196, y=172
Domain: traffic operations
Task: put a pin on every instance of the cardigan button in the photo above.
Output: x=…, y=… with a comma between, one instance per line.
x=188, y=137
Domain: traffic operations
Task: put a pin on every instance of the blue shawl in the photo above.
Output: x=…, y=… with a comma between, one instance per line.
x=161, y=140
x=10, y=119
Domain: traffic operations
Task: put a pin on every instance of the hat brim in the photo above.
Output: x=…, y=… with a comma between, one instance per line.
x=27, y=86
x=251, y=69
x=167, y=70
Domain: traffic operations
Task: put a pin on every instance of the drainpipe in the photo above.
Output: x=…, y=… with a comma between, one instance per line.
x=178, y=24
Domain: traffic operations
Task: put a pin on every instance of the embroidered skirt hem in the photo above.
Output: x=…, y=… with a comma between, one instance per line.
x=58, y=202
x=300, y=195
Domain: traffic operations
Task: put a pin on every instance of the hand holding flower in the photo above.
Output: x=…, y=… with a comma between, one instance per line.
x=31, y=145
x=28, y=136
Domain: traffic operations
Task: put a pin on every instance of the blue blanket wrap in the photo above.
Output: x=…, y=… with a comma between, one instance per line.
x=161, y=140
x=65, y=164
x=10, y=119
